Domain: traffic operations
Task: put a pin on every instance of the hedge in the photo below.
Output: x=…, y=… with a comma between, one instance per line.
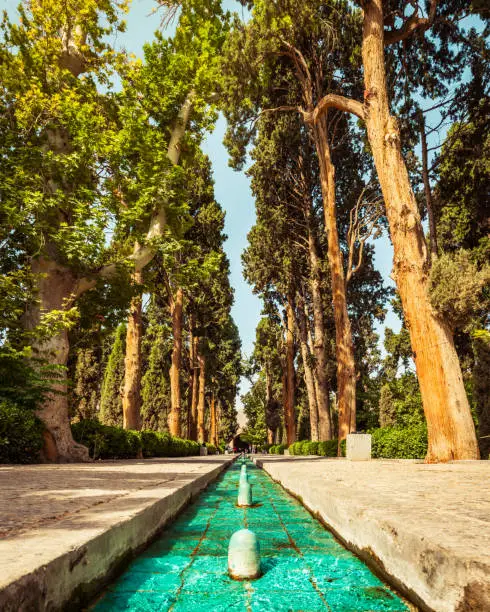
x=328, y=448
x=387, y=443
x=277, y=449
x=21, y=434
x=105, y=442
x=400, y=442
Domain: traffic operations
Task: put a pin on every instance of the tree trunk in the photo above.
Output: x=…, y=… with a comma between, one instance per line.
x=450, y=425
x=174, y=418
x=56, y=285
x=289, y=416
x=194, y=388
x=213, y=434
x=324, y=417
x=201, y=430
x=427, y=189
x=309, y=381
x=131, y=399
x=346, y=373
x=268, y=405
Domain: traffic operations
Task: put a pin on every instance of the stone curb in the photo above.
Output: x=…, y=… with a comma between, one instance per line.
x=64, y=566
x=430, y=575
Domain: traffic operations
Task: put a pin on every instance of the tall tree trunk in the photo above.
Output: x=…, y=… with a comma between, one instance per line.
x=346, y=373
x=174, y=418
x=194, y=388
x=450, y=425
x=55, y=289
x=289, y=416
x=213, y=434
x=324, y=416
x=269, y=404
x=131, y=399
x=427, y=189
x=201, y=406
x=309, y=380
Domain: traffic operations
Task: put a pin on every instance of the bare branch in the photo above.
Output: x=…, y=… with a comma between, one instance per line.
x=363, y=220
x=347, y=105
x=411, y=25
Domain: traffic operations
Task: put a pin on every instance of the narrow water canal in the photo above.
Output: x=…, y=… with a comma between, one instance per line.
x=304, y=567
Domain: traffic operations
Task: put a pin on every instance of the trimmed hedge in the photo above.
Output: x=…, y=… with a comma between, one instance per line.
x=277, y=449
x=328, y=448
x=105, y=442
x=400, y=442
x=387, y=443
x=212, y=450
x=21, y=434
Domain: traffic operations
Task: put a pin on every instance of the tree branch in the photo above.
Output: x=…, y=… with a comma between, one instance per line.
x=411, y=25
x=347, y=105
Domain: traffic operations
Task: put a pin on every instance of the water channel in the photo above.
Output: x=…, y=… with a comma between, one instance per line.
x=304, y=568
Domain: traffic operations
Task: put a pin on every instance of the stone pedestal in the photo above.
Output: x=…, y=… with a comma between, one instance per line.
x=358, y=447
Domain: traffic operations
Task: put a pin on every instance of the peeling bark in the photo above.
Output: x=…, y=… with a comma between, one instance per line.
x=55, y=292
x=323, y=403
x=309, y=380
x=174, y=417
x=131, y=399
x=346, y=375
x=213, y=433
x=450, y=425
x=201, y=405
x=289, y=414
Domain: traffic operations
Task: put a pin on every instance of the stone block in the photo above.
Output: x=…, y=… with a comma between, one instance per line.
x=358, y=447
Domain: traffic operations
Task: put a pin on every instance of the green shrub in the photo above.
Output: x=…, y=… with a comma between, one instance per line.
x=327, y=448
x=400, y=442
x=106, y=442
x=277, y=449
x=311, y=448
x=211, y=449
x=21, y=434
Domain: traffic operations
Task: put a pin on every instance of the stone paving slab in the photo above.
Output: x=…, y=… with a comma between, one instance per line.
x=426, y=527
x=66, y=529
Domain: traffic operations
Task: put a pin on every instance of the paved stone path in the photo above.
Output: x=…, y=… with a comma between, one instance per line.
x=427, y=526
x=63, y=526
x=40, y=495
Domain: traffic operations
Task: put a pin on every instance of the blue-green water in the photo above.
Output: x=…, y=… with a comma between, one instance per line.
x=304, y=568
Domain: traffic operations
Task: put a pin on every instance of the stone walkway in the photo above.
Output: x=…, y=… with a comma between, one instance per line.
x=66, y=527
x=427, y=527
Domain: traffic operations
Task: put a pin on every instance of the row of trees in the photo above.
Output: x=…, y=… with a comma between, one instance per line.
x=106, y=198
x=328, y=93
x=107, y=201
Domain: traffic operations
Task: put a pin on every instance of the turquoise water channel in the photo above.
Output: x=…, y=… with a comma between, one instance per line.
x=304, y=567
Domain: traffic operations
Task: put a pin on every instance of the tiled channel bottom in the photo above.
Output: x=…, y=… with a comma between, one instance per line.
x=304, y=567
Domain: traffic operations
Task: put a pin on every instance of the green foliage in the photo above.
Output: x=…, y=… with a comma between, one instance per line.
x=327, y=448
x=157, y=347
x=400, y=442
x=24, y=381
x=459, y=289
x=277, y=449
x=111, y=396
x=106, y=442
x=21, y=434
x=212, y=450
x=86, y=391
x=481, y=388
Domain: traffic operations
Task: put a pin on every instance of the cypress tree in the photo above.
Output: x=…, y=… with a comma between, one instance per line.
x=111, y=399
